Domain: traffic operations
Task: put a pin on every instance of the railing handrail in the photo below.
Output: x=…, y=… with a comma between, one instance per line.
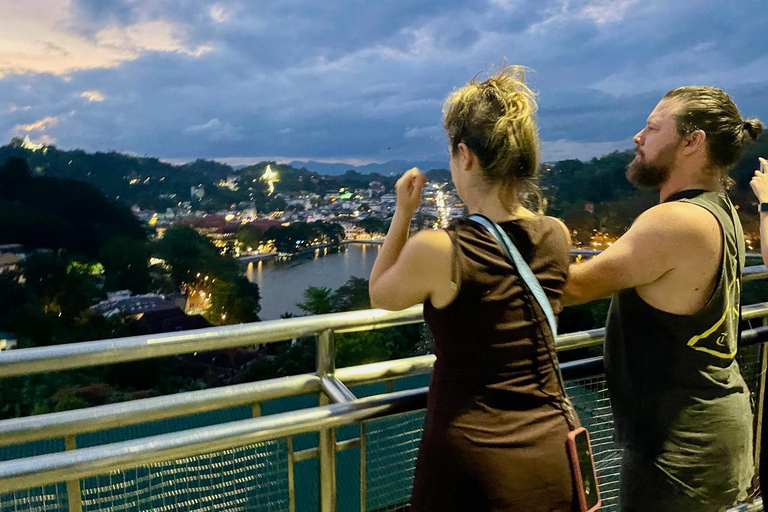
x=103, y=417
x=73, y=464
x=91, y=353
x=53, y=468
x=76, y=464
x=26, y=361
x=144, y=410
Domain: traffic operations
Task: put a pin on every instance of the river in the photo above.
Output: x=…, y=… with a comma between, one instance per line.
x=282, y=283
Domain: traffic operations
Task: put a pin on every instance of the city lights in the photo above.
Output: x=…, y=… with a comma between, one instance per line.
x=271, y=177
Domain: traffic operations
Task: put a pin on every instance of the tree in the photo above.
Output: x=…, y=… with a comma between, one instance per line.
x=126, y=264
x=317, y=301
x=64, y=288
x=372, y=225
x=276, y=204
x=46, y=212
x=249, y=235
x=330, y=231
x=188, y=253
x=362, y=348
x=234, y=302
x=351, y=296
x=14, y=174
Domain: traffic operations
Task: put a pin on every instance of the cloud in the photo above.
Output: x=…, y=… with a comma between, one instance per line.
x=219, y=13
x=92, y=96
x=146, y=36
x=552, y=151
x=41, y=36
x=357, y=80
x=215, y=131
x=38, y=126
x=432, y=132
x=607, y=11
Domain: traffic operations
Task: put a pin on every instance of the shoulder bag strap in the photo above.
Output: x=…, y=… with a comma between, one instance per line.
x=535, y=289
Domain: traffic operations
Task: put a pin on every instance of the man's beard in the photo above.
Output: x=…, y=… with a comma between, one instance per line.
x=648, y=175
x=652, y=174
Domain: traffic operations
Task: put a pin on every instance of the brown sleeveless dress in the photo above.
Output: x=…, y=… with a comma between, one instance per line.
x=494, y=436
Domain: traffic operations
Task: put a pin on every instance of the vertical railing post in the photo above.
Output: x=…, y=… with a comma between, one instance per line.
x=363, y=476
x=326, y=366
x=74, y=498
x=760, y=400
x=326, y=353
x=291, y=478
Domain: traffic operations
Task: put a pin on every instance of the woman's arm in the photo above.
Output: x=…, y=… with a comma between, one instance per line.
x=406, y=271
x=759, y=185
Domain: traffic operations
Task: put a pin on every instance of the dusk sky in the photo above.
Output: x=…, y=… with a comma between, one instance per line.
x=354, y=80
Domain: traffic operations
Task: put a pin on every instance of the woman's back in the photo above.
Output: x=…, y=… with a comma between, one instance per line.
x=494, y=432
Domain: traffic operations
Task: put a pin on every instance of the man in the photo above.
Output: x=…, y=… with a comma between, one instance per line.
x=681, y=407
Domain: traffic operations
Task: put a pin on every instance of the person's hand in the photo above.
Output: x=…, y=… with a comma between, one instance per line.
x=408, y=190
x=759, y=182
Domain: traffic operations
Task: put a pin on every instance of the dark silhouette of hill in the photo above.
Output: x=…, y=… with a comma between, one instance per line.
x=569, y=185
x=392, y=167
x=59, y=213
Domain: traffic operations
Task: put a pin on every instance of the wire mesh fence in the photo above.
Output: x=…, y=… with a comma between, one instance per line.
x=391, y=447
x=750, y=366
x=590, y=399
x=255, y=478
x=251, y=478
x=51, y=498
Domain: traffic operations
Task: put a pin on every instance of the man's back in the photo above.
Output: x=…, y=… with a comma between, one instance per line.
x=693, y=239
x=676, y=391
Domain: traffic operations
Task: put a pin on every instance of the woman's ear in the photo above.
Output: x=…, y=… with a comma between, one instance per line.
x=466, y=157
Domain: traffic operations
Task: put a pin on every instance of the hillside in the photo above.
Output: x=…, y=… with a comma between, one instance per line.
x=594, y=193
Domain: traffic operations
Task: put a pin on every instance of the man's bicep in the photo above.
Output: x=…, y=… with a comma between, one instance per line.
x=632, y=261
x=638, y=258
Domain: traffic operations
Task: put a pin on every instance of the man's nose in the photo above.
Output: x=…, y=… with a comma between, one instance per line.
x=638, y=137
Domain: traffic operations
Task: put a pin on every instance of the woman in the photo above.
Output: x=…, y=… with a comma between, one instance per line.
x=495, y=431
x=759, y=185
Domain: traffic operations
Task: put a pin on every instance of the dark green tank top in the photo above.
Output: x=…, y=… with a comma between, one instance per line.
x=676, y=390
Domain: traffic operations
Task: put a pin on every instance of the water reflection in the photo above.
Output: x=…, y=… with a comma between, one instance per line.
x=254, y=275
x=282, y=283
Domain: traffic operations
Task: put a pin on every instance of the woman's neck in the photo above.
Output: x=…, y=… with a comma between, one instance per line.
x=497, y=210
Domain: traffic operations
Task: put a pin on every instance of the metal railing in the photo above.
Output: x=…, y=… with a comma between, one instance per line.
x=338, y=406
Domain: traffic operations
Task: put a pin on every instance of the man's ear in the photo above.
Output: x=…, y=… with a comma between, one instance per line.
x=695, y=141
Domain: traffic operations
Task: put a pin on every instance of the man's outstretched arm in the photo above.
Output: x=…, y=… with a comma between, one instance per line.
x=652, y=247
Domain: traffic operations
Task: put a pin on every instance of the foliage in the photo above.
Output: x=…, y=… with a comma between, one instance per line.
x=317, y=301
x=301, y=235
x=125, y=261
x=44, y=212
x=351, y=296
x=189, y=253
x=439, y=175
x=234, y=302
x=372, y=225
x=248, y=235
x=361, y=347
x=63, y=288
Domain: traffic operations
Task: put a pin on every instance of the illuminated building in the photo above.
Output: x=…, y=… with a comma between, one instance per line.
x=271, y=177
x=28, y=144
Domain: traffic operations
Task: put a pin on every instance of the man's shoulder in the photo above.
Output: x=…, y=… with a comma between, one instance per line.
x=678, y=219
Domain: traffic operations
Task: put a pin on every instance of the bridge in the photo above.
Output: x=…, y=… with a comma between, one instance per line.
x=337, y=439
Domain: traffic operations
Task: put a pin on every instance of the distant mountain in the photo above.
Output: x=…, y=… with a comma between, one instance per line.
x=385, y=168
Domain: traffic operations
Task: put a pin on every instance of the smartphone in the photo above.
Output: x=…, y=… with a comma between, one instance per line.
x=583, y=469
